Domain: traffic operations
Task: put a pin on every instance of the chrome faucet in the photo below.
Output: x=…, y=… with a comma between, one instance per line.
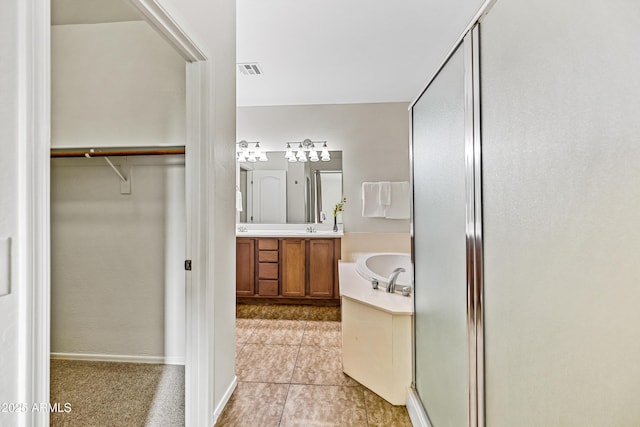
x=311, y=229
x=242, y=229
x=392, y=279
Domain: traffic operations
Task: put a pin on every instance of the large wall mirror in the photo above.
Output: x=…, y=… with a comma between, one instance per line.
x=278, y=191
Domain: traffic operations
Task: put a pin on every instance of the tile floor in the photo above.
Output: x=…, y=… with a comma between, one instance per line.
x=290, y=374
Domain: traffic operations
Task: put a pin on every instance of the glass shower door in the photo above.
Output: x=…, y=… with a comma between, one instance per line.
x=439, y=232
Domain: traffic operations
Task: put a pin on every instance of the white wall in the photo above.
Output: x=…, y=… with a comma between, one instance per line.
x=561, y=150
x=9, y=304
x=211, y=25
x=117, y=275
x=115, y=84
x=374, y=139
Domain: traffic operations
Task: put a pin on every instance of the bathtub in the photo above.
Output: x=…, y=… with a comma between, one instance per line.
x=376, y=326
x=378, y=266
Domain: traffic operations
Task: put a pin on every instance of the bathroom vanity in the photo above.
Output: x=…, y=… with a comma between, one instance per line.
x=288, y=268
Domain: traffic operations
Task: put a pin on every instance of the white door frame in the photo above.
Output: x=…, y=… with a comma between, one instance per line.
x=34, y=176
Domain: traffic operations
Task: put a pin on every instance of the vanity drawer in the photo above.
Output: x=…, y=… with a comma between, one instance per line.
x=268, y=244
x=268, y=288
x=268, y=256
x=267, y=270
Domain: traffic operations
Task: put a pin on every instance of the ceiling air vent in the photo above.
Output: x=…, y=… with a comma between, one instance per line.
x=250, y=69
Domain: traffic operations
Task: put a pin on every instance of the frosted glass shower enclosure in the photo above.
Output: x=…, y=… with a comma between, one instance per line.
x=446, y=246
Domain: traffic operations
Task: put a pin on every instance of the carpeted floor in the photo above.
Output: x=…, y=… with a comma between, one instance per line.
x=117, y=394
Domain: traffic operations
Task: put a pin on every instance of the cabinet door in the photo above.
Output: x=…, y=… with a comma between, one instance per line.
x=292, y=261
x=245, y=267
x=321, y=268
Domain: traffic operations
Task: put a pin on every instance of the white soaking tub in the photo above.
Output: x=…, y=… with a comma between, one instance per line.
x=376, y=328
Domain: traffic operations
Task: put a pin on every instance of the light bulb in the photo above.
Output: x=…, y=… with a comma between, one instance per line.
x=289, y=154
x=263, y=157
x=257, y=150
x=300, y=154
x=324, y=155
x=313, y=155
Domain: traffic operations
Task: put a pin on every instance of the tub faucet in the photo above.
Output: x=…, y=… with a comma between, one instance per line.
x=392, y=279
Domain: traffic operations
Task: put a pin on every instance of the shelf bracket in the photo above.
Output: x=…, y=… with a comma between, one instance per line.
x=125, y=183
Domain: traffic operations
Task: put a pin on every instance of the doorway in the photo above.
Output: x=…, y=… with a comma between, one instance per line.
x=118, y=219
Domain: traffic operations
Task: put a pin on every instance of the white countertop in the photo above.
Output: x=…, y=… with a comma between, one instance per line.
x=321, y=231
x=355, y=287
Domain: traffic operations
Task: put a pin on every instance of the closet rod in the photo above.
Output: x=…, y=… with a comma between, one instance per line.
x=116, y=153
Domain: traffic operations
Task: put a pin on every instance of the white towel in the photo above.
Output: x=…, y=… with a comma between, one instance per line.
x=399, y=207
x=385, y=193
x=371, y=206
x=238, y=200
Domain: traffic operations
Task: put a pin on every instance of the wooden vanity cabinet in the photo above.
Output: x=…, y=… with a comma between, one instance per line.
x=293, y=267
x=245, y=267
x=288, y=270
x=268, y=267
x=321, y=268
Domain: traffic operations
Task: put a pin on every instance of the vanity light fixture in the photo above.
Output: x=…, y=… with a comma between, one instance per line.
x=246, y=153
x=307, y=147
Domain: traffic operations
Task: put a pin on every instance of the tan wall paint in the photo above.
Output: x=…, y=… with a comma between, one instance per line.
x=356, y=243
x=117, y=278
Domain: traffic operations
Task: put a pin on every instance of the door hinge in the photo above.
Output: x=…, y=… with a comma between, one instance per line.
x=187, y=265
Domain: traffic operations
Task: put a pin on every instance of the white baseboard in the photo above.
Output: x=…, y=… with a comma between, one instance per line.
x=416, y=411
x=174, y=360
x=224, y=400
x=119, y=358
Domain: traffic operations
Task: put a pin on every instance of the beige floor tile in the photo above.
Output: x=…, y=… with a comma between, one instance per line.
x=239, y=347
x=382, y=413
x=266, y=363
x=320, y=365
x=244, y=329
x=323, y=334
x=308, y=405
x=287, y=332
x=254, y=404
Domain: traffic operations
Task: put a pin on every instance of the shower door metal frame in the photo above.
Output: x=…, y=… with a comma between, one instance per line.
x=474, y=256
x=473, y=167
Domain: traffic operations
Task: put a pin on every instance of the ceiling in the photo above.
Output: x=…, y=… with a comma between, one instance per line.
x=65, y=12
x=332, y=51
x=321, y=51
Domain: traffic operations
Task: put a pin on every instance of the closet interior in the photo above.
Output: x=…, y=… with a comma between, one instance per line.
x=118, y=220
